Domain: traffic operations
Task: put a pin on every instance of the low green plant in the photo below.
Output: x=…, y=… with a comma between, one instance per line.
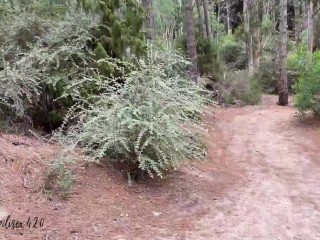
x=65, y=180
x=59, y=180
x=253, y=95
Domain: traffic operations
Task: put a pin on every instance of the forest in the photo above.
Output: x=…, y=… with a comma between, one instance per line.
x=159, y=119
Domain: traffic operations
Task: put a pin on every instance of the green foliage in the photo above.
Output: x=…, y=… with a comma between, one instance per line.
x=304, y=37
x=168, y=13
x=217, y=27
x=299, y=58
x=40, y=57
x=266, y=75
x=18, y=86
x=65, y=180
x=208, y=62
x=308, y=86
x=59, y=180
x=207, y=57
x=266, y=25
x=121, y=25
x=240, y=88
x=151, y=123
x=233, y=53
x=252, y=95
x=240, y=34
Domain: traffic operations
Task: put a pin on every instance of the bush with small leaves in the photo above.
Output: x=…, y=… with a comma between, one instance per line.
x=150, y=123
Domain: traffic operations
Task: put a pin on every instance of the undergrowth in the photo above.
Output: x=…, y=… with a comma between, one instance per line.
x=308, y=85
x=151, y=122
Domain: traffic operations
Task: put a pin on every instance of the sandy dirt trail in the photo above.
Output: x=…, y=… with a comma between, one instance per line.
x=261, y=181
x=279, y=196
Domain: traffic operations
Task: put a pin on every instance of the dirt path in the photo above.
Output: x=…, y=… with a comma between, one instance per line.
x=261, y=181
x=279, y=197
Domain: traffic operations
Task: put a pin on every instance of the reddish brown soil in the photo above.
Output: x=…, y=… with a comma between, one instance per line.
x=261, y=181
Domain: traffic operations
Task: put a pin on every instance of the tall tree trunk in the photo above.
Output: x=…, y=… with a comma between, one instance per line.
x=201, y=19
x=229, y=30
x=316, y=44
x=275, y=58
x=252, y=28
x=257, y=36
x=297, y=21
x=218, y=20
x=310, y=25
x=245, y=16
x=213, y=10
x=246, y=26
x=207, y=18
x=283, y=78
x=304, y=13
x=274, y=15
x=149, y=23
x=266, y=8
x=191, y=39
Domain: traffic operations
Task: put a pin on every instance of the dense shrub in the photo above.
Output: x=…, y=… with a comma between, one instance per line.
x=207, y=56
x=239, y=87
x=269, y=71
x=19, y=79
x=208, y=62
x=59, y=49
x=298, y=58
x=18, y=86
x=267, y=76
x=233, y=54
x=150, y=123
x=308, y=86
x=44, y=55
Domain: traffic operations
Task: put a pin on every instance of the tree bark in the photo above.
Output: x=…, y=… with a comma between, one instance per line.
x=207, y=18
x=201, y=19
x=283, y=78
x=304, y=13
x=274, y=15
x=297, y=21
x=316, y=44
x=257, y=36
x=191, y=40
x=246, y=23
x=310, y=25
x=252, y=28
x=275, y=59
x=149, y=23
x=229, y=30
